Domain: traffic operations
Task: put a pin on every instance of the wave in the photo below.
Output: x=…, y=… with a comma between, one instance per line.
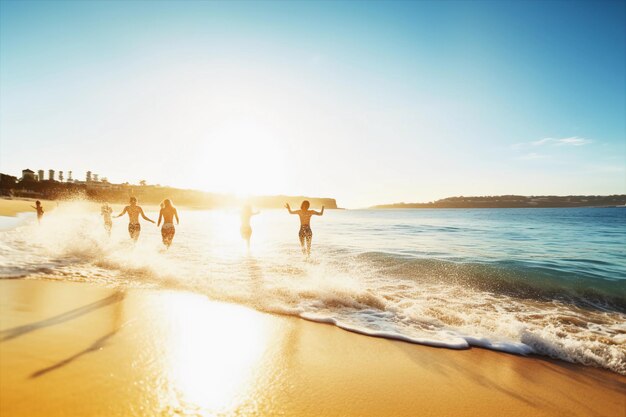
x=521, y=279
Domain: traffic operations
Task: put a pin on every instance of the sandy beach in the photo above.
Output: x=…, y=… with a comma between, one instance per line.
x=13, y=206
x=70, y=349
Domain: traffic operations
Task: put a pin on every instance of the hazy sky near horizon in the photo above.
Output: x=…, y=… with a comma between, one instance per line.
x=368, y=102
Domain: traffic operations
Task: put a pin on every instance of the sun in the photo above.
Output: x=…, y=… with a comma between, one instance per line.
x=243, y=157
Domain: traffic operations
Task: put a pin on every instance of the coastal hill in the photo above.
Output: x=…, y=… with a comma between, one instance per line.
x=515, y=201
x=101, y=190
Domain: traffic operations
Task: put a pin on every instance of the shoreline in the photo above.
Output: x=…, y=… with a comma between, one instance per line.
x=481, y=208
x=85, y=349
x=11, y=207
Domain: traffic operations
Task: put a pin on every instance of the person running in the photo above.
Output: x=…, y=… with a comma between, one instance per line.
x=105, y=212
x=305, y=234
x=246, y=229
x=167, y=214
x=133, y=210
x=39, y=209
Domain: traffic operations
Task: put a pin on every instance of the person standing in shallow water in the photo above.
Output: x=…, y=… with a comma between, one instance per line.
x=105, y=212
x=167, y=214
x=133, y=210
x=246, y=228
x=305, y=234
x=39, y=209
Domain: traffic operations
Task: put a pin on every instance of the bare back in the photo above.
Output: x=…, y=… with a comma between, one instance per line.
x=168, y=214
x=133, y=213
x=305, y=216
x=245, y=219
x=106, y=213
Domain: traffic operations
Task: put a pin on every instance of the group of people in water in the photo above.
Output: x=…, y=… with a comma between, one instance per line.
x=168, y=213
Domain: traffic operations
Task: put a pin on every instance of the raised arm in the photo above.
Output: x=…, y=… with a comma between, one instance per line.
x=144, y=216
x=123, y=212
x=176, y=215
x=289, y=208
x=160, y=217
x=319, y=213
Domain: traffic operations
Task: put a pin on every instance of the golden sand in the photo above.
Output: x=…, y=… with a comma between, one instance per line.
x=11, y=207
x=73, y=349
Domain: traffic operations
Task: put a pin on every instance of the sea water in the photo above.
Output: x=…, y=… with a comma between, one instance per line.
x=528, y=281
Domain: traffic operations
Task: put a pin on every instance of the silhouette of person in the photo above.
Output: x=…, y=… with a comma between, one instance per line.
x=133, y=210
x=305, y=234
x=167, y=214
x=246, y=229
x=39, y=209
x=105, y=212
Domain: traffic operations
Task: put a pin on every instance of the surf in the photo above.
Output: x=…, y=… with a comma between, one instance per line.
x=375, y=283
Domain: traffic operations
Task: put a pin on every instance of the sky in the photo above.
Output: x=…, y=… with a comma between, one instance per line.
x=366, y=102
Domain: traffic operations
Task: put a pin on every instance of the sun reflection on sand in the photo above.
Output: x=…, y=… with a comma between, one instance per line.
x=210, y=363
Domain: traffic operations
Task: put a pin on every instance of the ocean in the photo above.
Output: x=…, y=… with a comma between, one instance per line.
x=549, y=282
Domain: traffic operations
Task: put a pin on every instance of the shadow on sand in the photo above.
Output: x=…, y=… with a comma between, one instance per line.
x=116, y=324
x=95, y=346
x=9, y=334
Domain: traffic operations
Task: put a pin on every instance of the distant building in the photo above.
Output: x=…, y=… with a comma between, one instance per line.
x=51, y=174
x=95, y=177
x=40, y=175
x=61, y=176
x=28, y=175
x=7, y=182
x=69, y=176
x=88, y=177
x=99, y=185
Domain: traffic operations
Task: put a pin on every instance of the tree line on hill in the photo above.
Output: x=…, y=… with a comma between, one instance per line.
x=516, y=201
x=11, y=186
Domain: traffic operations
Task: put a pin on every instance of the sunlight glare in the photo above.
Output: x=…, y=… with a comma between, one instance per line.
x=213, y=351
x=243, y=157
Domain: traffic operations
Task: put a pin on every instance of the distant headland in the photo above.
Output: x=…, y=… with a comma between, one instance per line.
x=515, y=201
x=94, y=188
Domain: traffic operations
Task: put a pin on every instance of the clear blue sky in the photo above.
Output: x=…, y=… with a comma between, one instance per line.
x=368, y=102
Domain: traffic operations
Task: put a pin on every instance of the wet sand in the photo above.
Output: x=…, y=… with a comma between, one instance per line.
x=70, y=349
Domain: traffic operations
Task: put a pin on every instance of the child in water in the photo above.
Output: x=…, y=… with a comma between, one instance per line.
x=246, y=229
x=39, y=209
x=133, y=210
x=105, y=212
x=305, y=234
x=167, y=214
